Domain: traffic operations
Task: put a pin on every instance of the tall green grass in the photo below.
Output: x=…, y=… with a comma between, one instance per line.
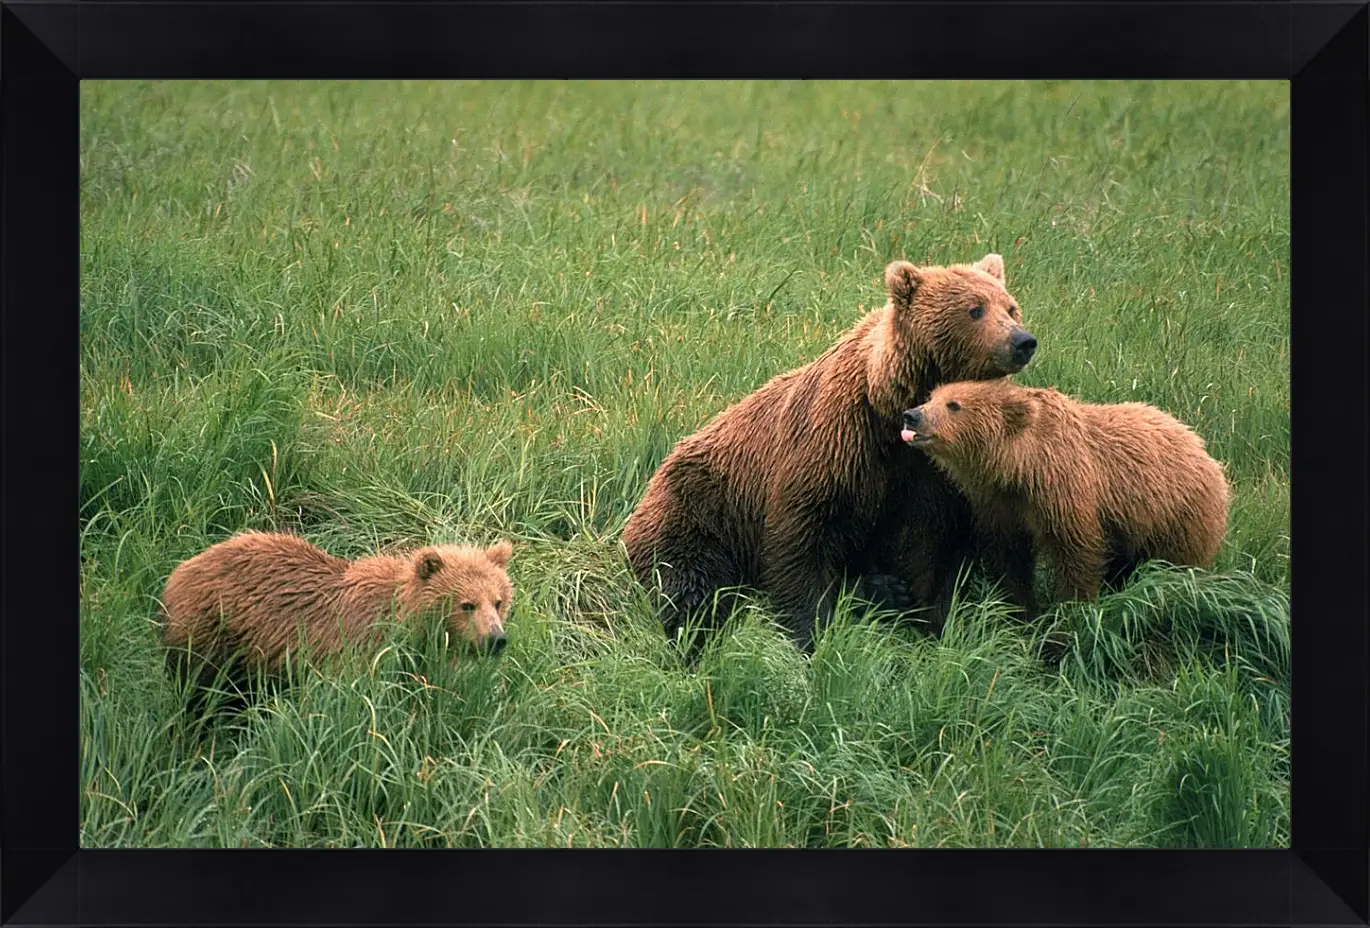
x=383, y=314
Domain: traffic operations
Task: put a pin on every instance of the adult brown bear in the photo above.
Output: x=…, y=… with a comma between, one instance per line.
x=806, y=482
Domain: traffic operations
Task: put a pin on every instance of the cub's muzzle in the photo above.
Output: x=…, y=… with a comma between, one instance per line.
x=913, y=422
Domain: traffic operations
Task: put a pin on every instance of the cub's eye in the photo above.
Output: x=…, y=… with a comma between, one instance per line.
x=977, y=311
x=1013, y=311
x=499, y=603
x=468, y=607
x=953, y=405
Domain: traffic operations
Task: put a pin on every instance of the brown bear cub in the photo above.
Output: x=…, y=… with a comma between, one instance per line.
x=256, y=596
x=1099, y=489
x=805, y=484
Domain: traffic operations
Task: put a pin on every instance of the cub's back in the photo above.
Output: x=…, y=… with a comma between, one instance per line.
x=251, y=572
x=1141, y=441
x=1160, y=471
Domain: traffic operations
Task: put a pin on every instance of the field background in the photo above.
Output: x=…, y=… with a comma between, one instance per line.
x=387, y=314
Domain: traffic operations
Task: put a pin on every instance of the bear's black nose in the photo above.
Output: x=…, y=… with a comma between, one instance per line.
x=913, y=417
x=1023, y=345
x=496, y=643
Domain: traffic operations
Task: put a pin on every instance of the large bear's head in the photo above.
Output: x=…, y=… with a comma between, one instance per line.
x=962, y=317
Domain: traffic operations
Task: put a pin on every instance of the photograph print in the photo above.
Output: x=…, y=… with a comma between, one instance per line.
x=691, y=464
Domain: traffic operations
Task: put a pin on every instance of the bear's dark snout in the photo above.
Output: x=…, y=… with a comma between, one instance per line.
x=496, y=643
x=913, y=418
x=1023, y=345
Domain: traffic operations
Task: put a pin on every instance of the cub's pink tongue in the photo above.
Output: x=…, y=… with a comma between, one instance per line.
x=908, y=435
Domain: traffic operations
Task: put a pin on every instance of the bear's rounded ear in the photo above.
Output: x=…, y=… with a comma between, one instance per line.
x=902, y=280
x=993, y=265
x=499, y=552
x=427, y=562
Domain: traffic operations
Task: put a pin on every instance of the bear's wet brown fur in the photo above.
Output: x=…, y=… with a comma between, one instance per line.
x=805, y=482
x=252, y=599
x=1097, y=488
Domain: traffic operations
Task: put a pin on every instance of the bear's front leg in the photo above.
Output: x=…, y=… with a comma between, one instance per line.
x=935, y=559
x=1081, y=558
x=1012, y=556
x=803, y=594
x=799, y=569
x=884, y=591
x=925, y=537
x=882, y=574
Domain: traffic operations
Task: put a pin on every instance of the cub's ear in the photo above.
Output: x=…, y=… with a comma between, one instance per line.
x=427, y=562
x=902, y=280
x=993, y=265
x=499, y=552
x=1017, y=414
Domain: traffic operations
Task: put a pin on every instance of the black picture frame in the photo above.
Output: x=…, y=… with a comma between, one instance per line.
x=46, y=47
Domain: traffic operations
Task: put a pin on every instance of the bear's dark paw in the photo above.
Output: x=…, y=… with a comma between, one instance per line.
x=1053, y=650
x=885, y=591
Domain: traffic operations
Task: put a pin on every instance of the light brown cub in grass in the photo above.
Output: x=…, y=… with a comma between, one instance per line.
x=257, y=595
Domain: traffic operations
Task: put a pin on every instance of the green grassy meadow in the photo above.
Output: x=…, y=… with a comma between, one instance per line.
x=389, y=314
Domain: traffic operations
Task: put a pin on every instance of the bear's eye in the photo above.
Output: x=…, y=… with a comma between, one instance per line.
x=498, y=603
x=977, y=311
x=953, y=405
x=1013, y=311
x=468, y=607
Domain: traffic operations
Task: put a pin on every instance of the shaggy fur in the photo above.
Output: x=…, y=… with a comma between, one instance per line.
x=805, y=482
x=255, y=596
x=1099, y=489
